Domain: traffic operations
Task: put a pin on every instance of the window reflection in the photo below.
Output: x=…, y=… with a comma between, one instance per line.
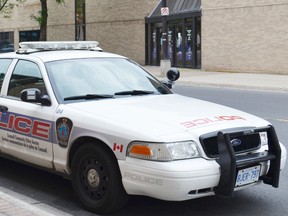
x=104, y=76
x=6, y=42
x=80, y=23
x=29, y=35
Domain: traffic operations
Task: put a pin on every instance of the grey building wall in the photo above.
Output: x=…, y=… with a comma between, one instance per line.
x=61, y=21
x=245, y=35
x=119, y=26
x=20, y=19
x=237, y=35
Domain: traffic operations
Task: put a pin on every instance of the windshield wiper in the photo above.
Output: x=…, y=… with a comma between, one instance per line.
x=134, y=92
x=88, y=97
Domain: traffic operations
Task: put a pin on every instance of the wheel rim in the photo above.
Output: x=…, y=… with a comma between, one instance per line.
x=94, y=178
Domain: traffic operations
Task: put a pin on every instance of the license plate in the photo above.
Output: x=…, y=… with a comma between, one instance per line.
x=247, y=176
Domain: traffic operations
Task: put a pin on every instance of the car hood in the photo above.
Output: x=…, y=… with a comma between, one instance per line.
x=171, y=116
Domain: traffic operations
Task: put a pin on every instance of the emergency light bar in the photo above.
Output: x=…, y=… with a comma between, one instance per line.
x=28, y=47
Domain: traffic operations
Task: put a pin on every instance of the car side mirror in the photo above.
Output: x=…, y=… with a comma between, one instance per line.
x=33, y=95
x=172, y=75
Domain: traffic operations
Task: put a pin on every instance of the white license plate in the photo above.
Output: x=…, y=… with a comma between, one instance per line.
x=247, y=176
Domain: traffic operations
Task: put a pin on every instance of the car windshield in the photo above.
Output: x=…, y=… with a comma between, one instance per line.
x=101, y=78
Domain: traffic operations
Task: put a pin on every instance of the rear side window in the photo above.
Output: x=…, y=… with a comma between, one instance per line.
x=4, y=64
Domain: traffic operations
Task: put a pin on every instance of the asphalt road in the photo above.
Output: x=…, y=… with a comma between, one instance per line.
x=259, y=200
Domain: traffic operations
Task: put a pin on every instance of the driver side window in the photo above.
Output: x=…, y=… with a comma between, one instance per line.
x=26, y=75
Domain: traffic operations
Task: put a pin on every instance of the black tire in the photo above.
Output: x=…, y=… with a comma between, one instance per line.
x=96, y=179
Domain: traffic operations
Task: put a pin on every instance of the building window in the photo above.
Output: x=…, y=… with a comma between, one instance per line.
x=6, y=42
x=80, y=21
x=29, y=35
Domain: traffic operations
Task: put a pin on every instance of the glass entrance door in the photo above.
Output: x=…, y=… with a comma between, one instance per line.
x=188, y=46
x=171, y=34
x=179, y=46
x=198, y=42
x=184, y=43
x=156, y=45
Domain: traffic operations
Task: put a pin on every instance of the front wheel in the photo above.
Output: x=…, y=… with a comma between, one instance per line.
x=96, y=179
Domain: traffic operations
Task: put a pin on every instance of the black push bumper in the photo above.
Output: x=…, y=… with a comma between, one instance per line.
x=230, y=163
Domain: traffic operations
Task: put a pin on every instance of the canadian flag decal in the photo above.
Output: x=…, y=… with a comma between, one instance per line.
x=117, y=147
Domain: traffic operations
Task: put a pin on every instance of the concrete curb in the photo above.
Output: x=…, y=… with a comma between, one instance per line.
x=14, y=204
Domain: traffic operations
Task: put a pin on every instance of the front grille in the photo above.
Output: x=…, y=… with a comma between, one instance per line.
x=249, y=142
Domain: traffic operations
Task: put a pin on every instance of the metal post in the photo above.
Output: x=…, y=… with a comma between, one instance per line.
x=165, y=63
x=164, y=32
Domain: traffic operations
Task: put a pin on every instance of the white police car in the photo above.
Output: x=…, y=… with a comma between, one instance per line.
x=115, y=130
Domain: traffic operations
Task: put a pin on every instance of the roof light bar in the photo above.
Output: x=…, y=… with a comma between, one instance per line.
x=27, y=47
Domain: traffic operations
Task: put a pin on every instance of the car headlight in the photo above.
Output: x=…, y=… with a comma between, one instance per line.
x=163, y=151
x=263, y=138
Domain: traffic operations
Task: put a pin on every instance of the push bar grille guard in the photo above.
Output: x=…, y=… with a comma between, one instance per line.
x=230, y=163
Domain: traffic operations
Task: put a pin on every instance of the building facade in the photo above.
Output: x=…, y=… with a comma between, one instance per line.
x=245, y=35
x=218, y=35
x=183, y=20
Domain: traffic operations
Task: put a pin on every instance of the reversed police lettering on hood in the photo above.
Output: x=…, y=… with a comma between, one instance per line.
x=203, y=121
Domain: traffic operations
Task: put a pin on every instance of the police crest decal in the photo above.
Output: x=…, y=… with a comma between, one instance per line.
x=63, y=131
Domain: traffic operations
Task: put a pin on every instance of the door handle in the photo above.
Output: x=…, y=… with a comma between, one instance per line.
x=3, y=109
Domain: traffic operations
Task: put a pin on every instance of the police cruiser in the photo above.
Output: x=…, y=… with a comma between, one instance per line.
x=104, y=122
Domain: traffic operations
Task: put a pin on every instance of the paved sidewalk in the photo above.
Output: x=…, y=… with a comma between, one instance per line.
x=254, y=81
x=14, y=204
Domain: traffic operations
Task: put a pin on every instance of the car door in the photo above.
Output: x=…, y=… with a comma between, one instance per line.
x=26, y=128
x=4, y=65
